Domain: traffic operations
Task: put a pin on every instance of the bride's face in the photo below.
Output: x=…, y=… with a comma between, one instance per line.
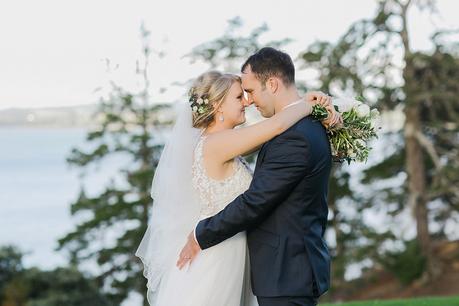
x=233, y=107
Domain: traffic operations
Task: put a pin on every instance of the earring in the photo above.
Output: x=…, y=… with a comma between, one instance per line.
x=221, y=118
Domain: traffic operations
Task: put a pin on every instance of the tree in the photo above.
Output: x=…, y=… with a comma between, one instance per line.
x=34, y=287
x=229, y=51
x=10, y=266
x=374, y=59
x=129, y=126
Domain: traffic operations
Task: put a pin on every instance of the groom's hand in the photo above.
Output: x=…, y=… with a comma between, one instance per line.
x=189, y=251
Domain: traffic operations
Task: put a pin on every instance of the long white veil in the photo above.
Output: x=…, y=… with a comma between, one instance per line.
x=175, y=209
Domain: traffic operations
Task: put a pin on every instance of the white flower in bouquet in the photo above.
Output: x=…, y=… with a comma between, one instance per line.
x=344, y=104
x=351, y=153
x=360, y=143
x=375, y=123
x=374, y=113
x=363, y=110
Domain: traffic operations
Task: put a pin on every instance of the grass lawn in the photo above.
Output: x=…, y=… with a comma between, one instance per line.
x=431, y=301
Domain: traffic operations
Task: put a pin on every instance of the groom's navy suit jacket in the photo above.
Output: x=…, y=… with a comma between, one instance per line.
x=285, y=213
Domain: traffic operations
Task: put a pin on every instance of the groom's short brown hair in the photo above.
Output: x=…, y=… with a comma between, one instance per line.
x=269, y=62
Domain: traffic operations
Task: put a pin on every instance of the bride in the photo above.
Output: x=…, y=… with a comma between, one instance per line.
x=199, y=172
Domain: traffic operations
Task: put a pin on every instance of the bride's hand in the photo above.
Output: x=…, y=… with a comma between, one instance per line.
x=318, y=97
x=333, y=120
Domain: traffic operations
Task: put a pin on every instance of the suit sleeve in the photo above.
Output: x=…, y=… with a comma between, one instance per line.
x=284, y=165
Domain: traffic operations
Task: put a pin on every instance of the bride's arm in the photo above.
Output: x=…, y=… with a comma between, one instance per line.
x=316, y=97
x=228, y=144
x=251, y=151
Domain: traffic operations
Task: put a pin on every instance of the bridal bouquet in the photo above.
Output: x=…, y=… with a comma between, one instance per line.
x=350, y=141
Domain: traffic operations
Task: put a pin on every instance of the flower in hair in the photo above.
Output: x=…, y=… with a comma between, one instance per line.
x=199, y=104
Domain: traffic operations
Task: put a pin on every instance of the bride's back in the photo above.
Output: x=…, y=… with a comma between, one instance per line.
x=215, y=194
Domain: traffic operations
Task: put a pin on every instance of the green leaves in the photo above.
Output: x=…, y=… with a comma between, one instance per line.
x=112, y=222
x=34, y=287
x=408, y=264
x=227, y=52
x=319, y=112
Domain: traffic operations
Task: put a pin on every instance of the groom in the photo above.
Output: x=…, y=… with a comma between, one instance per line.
x=284, y=211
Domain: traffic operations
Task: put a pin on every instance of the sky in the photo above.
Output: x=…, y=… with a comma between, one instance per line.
x=54, y=52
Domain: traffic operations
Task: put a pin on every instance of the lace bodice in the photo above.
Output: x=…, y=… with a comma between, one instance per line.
x=216, y=194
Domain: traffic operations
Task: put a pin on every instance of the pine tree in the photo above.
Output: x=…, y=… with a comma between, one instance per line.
x=34, y=287
x=232, y=48
x=374, y=59
x=130, y=126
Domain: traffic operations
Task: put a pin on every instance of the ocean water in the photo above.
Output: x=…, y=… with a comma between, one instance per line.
x=37, y=187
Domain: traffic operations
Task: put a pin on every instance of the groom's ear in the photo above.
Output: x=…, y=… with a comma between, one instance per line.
x=273, y=84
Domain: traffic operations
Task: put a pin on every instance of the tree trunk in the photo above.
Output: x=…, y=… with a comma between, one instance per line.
x=414, y=160
x=417, y=186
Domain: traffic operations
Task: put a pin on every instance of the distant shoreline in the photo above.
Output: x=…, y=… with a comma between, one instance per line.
x=79, y=116
x=43, y=126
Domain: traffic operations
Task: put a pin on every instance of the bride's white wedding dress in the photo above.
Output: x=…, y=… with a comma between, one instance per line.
x=218, y=276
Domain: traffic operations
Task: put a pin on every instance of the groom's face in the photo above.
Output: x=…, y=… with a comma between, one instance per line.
x=257, y=93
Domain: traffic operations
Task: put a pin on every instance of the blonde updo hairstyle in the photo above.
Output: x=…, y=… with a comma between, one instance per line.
x=211, y=87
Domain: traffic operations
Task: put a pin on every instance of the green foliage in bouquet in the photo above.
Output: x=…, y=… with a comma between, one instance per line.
x=349, y=141
x=319, y=112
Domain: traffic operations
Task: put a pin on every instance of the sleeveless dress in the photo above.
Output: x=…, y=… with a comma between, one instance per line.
x=218, y=276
